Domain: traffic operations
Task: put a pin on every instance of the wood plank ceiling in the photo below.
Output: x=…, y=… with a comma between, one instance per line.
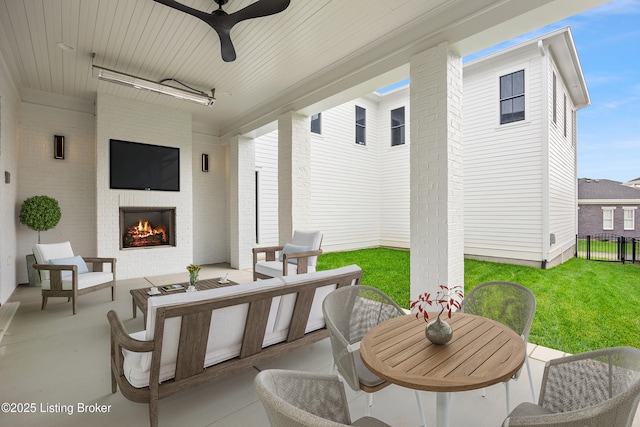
x=279, y=56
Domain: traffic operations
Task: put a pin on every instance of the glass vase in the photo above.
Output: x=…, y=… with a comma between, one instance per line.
x=193, y=281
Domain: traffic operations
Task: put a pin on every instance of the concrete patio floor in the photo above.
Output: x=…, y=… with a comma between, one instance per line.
x=60, y=363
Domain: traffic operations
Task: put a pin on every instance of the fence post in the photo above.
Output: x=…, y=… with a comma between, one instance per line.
x=589, y=246
x=622, y=250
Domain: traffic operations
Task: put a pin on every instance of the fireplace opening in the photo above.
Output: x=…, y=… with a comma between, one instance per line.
x=144, y=227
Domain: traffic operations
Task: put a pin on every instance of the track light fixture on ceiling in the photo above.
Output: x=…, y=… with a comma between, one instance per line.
x=113, y=76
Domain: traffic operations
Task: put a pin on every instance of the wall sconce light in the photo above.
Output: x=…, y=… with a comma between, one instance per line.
x=205, y=163
x=58, y=147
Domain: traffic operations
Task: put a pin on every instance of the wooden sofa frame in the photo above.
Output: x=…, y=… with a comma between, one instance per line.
x=55, y=278
x=196, y=318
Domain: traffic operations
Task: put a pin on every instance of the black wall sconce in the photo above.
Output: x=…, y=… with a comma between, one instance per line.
x=205, y=163
x=58, y=147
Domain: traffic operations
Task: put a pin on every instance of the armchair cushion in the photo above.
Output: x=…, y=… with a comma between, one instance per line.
x=274, y=268
x=291, y=248
x=311, y=239
x=76, y=260
x=46, y=252
x=86, y=280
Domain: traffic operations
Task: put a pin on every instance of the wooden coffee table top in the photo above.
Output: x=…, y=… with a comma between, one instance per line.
x=140, y=295
x=482, y=352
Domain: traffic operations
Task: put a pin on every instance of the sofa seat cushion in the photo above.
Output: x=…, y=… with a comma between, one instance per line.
x=225, y=334
x=85, y=280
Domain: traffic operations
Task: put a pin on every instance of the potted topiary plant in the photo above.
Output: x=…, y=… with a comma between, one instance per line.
x=39, y=213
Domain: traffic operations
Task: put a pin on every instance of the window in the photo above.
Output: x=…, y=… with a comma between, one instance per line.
x=564, y=112
x=361, y=126
x=629, y=218
x=607, y=218
x=397, y=126
x=512, y=97
x=555, y=100
x=316, y=123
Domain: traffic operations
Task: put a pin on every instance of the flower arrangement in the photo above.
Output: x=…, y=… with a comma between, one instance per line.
x=192, y=268
x=193, y=274
x=447, y=298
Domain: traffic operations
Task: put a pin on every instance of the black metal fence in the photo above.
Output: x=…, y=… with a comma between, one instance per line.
x=608, y=247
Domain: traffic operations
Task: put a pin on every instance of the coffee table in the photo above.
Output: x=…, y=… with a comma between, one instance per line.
x=140, y=296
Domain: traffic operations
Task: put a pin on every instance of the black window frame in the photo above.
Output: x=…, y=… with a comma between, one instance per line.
x=316, y=124
x=398, y=126
x=361, y=125
x=512, y=99
x=555, y=98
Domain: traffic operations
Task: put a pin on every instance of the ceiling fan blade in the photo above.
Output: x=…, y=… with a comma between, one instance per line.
x=186, y=9
x=222, y=22
x=258, y=9
x=226, y=46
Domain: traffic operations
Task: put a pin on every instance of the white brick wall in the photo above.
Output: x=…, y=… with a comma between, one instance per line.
x=70, y=181
x=242, y=205
x=128, y=120
x=294, y=169
x=210, y=198
x=437, y=232
x=9, y=102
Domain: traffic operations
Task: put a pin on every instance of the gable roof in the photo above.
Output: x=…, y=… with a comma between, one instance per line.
x=562, y=47
x=605, y=190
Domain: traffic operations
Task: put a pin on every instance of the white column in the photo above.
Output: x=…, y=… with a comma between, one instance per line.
x=294, y=169
x=242, y=198
x=437, y=234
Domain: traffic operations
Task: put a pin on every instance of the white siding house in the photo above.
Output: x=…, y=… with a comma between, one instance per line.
x=520, y=184
x=520, y=177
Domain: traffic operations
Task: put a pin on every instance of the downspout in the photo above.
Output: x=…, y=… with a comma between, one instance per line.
x=544, y=58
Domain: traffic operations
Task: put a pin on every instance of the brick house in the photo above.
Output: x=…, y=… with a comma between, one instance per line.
x=606, y=206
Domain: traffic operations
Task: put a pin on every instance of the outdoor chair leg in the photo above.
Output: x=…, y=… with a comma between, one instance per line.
x=533, y=391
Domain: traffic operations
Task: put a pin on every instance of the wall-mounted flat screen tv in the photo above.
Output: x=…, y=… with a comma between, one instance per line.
x=136, y=166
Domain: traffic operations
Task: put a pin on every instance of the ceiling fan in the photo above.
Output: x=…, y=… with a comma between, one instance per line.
x=222, y=22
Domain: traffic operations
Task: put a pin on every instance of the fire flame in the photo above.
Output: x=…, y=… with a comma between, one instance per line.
x=144, y=233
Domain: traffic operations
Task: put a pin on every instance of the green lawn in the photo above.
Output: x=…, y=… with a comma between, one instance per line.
x=581, y=305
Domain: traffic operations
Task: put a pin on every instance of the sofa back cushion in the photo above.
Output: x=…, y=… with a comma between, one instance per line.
x=287, y=302
x=226, y=328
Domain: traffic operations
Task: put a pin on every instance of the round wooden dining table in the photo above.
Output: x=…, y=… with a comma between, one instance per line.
x=481, y=353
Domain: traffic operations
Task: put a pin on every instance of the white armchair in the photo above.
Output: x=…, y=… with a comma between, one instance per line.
x=65, y=275
x=297, y=257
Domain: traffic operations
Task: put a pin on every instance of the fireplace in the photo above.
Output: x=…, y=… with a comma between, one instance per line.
x=147, y=227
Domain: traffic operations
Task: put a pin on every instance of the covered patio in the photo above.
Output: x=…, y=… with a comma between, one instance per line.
x=61, y=363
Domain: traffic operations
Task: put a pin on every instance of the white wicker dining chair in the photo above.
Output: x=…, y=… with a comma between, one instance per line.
x=512, y=305
x=593, y=389
x=295, y=399
x=349, y=312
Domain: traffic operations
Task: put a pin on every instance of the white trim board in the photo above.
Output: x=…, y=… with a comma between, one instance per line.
x=7, y=311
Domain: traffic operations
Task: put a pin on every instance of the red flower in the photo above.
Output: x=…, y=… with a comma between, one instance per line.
x=448, y=299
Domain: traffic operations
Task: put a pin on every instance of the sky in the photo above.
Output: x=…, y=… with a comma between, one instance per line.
x=607, y=40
